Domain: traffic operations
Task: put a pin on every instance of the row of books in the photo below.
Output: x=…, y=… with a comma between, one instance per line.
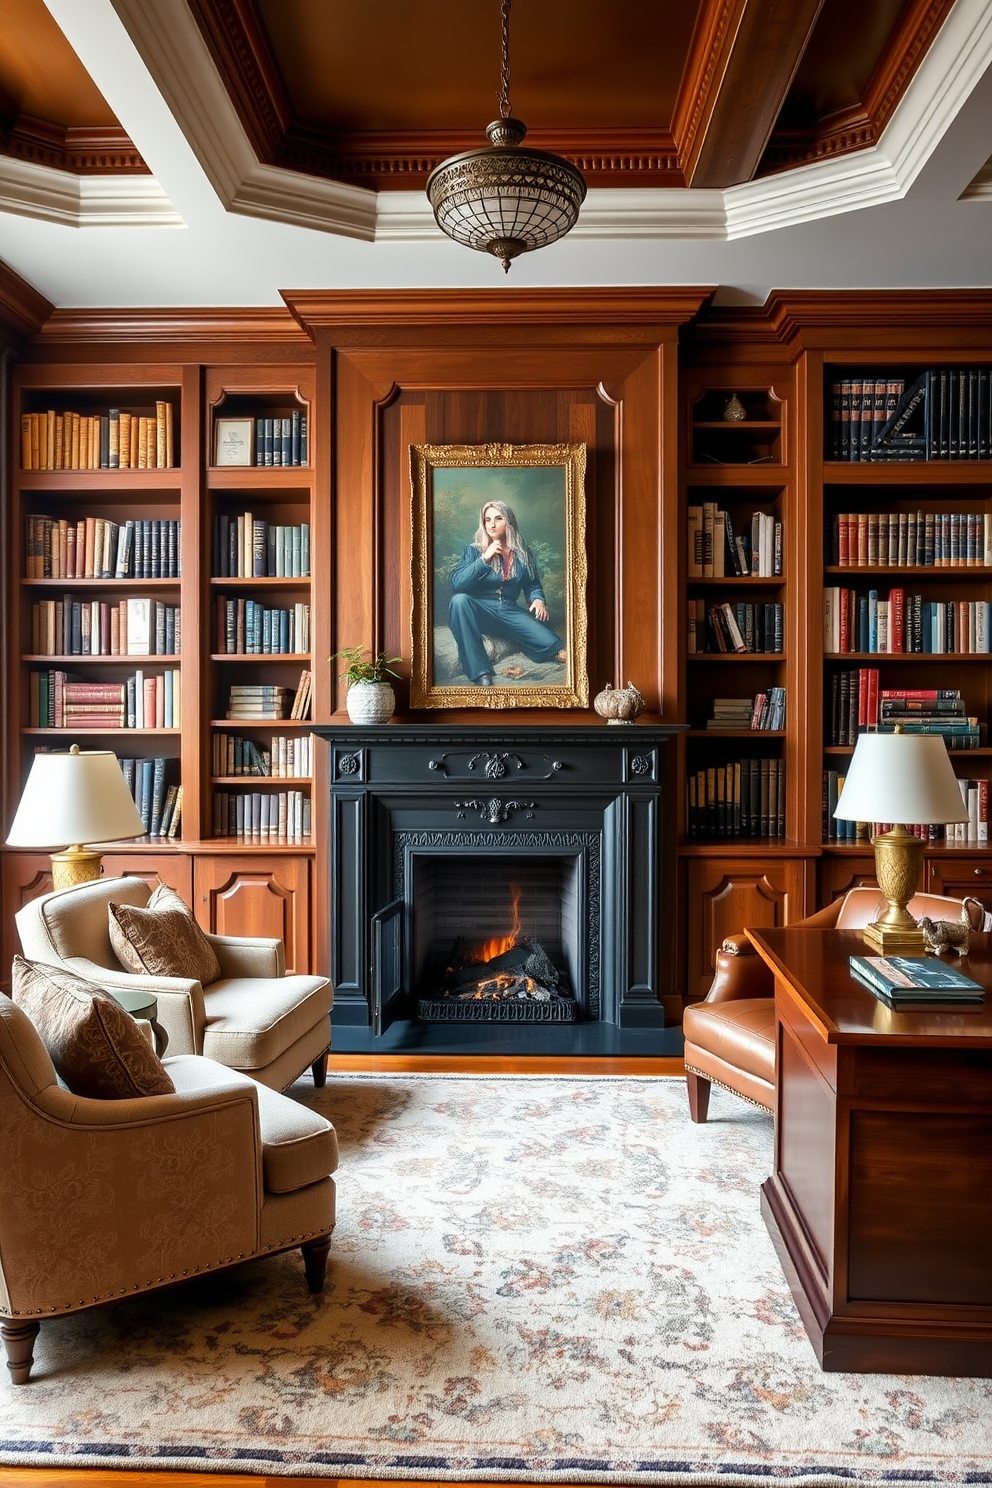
x=858, y=705
x=57, y=700
x=247, y=547
x=716, y=550
x=274, y=816
x=97, y=548
x=263, y=701
x=766, y=710
x=285, y=758
x=93, y=627
x=245, y=627
x=940, y=414
x=157, y=793
x=740, y=798
x=268, y=439
x=910, y=539
x=115, y=440
x=740, y=627
x=974, y=794
x=902, y=622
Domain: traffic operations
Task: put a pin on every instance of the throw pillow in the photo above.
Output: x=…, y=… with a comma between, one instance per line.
x=96, y=1047
x=163, y=939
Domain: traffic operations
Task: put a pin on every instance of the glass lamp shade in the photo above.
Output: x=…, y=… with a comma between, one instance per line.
x=74, y=798
x=506, y=200
x=899, y=778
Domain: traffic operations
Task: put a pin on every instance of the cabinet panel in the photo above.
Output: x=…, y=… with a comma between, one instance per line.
x=27, y=876
x=837, y=875
x=245, y=896
x=727, y=895
x=961, y=876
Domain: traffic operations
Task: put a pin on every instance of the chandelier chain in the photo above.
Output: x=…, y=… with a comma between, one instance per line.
x=504, y=76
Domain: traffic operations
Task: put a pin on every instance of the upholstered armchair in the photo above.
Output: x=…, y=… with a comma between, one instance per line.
x=167, y=1186
x=250, y=1017
x=730, y=1035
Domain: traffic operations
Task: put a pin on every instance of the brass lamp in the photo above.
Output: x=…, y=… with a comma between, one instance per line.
x=75, y=797
x=899, y=777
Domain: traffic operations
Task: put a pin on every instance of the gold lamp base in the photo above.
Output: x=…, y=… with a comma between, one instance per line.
x=76, y=865
x=898, y=864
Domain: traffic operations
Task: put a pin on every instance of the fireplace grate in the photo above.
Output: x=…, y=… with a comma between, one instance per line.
x=494, y=1010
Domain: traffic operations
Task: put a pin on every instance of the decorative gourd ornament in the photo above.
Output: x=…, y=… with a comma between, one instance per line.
x=619, y=704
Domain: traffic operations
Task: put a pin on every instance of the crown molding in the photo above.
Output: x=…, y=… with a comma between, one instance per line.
x=275, y=326
x=23, y=310
x=84, y=201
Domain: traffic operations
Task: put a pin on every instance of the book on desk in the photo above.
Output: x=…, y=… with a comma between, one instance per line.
x=920, y=982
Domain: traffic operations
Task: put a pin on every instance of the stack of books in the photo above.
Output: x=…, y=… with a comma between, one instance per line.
x=916, y=983
x=257, y=701
x=731, y=713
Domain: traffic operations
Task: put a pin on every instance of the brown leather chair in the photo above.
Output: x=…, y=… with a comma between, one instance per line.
x=730, y=1035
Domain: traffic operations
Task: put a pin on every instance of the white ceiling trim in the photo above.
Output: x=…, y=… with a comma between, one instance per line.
x=84, y=201
x=179, y=63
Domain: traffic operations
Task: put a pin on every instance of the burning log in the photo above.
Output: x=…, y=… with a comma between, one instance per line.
x=524, y=970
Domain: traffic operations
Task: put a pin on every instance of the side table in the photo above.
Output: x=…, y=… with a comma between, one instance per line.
x=143, y=1007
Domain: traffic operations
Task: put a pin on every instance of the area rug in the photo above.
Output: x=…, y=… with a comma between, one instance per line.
x=545, y=1279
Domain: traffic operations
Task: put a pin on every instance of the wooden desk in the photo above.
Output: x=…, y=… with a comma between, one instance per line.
x=880, y=1203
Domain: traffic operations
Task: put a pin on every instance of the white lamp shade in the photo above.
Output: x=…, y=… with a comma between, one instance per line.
x=901, y=778
x=75, y=798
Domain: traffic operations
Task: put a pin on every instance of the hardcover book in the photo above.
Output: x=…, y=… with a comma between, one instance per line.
x=910, y=981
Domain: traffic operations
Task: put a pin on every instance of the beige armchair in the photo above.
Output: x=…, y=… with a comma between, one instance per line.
x=171, y=1186
x=730, y=1035
x=253, y=1018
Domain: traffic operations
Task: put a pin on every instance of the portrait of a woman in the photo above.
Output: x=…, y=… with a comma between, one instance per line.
x=497, y=593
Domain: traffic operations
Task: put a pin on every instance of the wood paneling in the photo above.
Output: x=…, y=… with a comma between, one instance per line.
x=245, y=896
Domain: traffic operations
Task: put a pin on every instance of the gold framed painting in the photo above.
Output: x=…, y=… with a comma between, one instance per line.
x=499, y=576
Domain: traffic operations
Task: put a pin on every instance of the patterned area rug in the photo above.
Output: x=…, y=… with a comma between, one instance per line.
x=552, y=1279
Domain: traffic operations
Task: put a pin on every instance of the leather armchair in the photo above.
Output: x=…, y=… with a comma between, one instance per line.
x=176, y=1185
x=730, y=1035
x=255, y=1018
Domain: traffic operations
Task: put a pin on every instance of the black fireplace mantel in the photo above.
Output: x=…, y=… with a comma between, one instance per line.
x=592, y=794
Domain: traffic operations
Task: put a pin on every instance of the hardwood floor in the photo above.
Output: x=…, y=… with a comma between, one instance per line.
x=44, y=1477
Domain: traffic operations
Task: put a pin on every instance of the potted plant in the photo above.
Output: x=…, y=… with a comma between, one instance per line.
x=370, y=697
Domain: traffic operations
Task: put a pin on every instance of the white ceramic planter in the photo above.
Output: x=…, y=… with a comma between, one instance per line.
x=370, y=702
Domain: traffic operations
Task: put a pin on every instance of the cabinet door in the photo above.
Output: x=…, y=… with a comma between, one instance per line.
x=961, y=876
x=246, y=896
x=839, y=874
x=727, y=895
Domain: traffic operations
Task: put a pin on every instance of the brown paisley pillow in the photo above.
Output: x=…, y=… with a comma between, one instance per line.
x=96, y=1047
x=163, y=939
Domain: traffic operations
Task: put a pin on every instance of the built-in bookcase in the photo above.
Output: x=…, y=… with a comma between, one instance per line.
x=907, y=576
x=736, y=520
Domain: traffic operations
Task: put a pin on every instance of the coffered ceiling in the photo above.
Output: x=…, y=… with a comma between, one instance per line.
x=212, y=151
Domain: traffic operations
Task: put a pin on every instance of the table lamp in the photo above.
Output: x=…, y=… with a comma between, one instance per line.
x=77, y=797
x=899, y=778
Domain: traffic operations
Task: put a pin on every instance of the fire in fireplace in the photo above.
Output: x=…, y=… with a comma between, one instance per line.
x=506, y=976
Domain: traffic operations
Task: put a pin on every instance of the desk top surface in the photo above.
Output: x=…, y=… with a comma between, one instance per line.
x=814, y=965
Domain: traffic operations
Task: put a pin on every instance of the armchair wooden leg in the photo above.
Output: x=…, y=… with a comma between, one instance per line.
x=319, y=1068
x=315, y=1261
x=699, y=1095
x=18, y=1336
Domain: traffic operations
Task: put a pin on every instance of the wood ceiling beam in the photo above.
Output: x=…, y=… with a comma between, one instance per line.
x=743, y=57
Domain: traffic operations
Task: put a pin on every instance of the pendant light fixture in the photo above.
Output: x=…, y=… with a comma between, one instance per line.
x=506, y=200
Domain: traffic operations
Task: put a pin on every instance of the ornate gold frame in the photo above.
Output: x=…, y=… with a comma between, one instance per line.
x=425, y=692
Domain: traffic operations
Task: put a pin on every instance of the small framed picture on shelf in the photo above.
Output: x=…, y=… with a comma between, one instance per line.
x=234, y=441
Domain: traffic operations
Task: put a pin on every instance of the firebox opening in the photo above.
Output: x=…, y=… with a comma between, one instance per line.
x=498, y=937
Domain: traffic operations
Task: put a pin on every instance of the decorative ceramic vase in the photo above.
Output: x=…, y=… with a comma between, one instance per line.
x=619, y=704
x=370, y=702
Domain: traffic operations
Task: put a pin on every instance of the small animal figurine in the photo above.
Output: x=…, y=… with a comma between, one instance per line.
x=945, y=935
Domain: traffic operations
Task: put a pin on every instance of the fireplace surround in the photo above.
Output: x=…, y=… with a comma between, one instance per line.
x=442, y=834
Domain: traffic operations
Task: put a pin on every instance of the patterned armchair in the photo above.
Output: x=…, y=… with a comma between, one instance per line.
x=163, y=1186
x=252, y=1017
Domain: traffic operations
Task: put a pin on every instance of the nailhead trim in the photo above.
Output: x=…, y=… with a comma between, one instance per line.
x=729, y=1088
